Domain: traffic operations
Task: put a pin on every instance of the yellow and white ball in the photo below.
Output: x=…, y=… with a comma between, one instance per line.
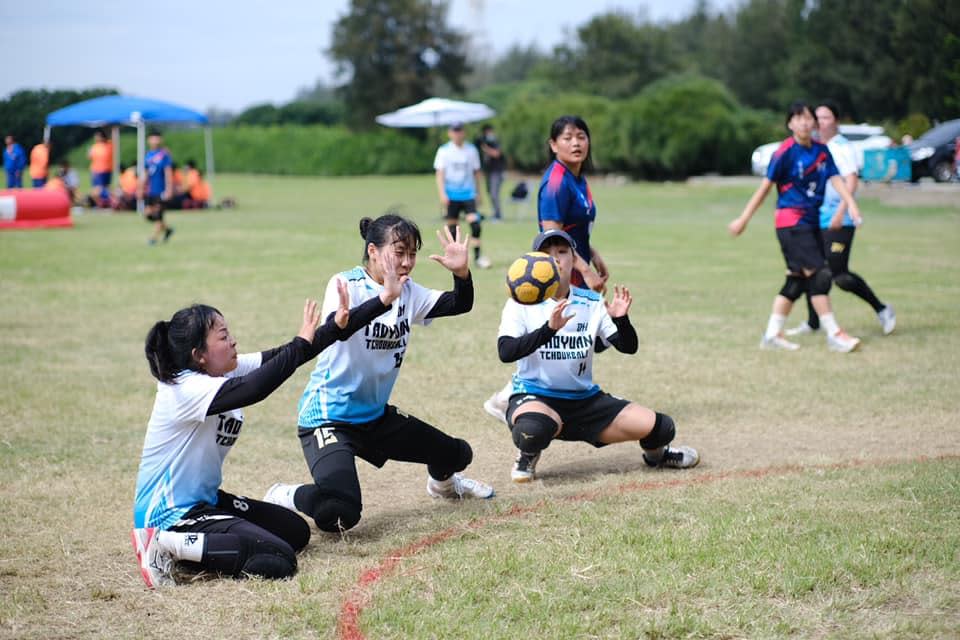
x=532, y=278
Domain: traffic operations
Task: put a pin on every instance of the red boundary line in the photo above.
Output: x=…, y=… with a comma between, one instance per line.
x=357, y=599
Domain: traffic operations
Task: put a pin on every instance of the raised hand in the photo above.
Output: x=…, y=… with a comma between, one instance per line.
x=311, y=317
x=455, y=252
x=343, y=309
x=557, y=318
x=620, y=304
x=392, y=284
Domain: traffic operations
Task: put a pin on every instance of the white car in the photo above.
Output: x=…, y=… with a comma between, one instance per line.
x=861, y=136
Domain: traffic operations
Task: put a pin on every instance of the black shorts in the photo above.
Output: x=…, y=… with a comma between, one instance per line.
x=802, y=248
x=455, y=207
x=156, y=203
x=583, y=420
x=836, y=245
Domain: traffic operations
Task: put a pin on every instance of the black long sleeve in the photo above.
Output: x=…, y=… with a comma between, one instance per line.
x=625, y=340
x=511, y=349
x=278, y=364
x=453, y=303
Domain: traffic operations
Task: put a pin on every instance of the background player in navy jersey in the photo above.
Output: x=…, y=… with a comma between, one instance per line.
x=801, y=168
x=344, y=411
x=565, y=202
x=181, y=516
x=838, y=228
x=157, y=186
x=554, y=396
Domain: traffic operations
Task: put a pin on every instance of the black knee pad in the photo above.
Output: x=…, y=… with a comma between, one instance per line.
x=793, y=288
x=533, y=431
x=271, y=565
x=334, y=514
x=846, y=281
x=460, y=461
x=475, y=229
x=662, y=433
x=821, y=281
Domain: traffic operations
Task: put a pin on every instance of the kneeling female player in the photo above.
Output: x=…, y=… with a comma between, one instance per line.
x=344, y=414
x=182, y=519
x=554, y=396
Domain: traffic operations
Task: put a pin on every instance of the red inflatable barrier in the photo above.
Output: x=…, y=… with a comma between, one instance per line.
x=34, y=208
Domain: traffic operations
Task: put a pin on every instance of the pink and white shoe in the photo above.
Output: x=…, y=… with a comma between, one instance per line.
x=156, y=565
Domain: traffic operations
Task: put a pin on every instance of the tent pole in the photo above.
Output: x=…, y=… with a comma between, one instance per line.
x=115, y=140
x=141, y=168
x=46, y=134
x=208, y=147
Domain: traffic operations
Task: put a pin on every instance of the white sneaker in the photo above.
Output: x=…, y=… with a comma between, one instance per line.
x=888, y=319
x=156, y=565
x=676, y=458
x=777, y=343
x=497, y=407
x=457, y=487
x=282, y=495
x=842, y=343
x=801, y=329
x=484, y=262
x=524, y=468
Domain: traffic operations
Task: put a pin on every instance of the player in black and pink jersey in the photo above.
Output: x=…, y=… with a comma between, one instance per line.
x=800, y=169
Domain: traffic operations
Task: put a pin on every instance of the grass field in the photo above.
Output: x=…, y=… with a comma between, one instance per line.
x=827, y=503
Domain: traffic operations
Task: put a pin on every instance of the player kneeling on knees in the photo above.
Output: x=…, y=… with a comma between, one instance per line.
x=183, y=522
x=344, y=413
x=554, y=396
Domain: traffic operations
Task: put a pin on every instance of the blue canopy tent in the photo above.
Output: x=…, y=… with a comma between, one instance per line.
x=133, y=112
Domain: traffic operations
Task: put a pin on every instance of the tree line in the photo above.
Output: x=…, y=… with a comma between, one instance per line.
x=896, y=62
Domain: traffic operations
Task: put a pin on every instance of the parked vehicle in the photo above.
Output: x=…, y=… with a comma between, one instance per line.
x=932, y=153
x=861, y=136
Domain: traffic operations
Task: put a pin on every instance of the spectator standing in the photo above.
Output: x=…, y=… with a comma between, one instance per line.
x=101, y=167
x=493, y=163
x=14, y=162
x=39, y=164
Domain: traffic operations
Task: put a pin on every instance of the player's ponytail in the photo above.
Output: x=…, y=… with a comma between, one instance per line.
x=387, y=229
x=169, y=345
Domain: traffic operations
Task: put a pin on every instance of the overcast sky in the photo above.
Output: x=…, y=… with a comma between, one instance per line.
x=233, y=54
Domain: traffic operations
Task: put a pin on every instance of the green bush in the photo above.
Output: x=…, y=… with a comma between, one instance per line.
x=679, y=126
x=293, y=150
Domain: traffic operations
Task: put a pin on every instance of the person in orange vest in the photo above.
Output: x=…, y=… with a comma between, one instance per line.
x=101, y=167
x=125, y=198
x=39, y=164
x=197, y=189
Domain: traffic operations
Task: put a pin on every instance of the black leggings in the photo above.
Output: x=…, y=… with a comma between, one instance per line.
x=837, y=244
x=246, y=537
x=334, y=500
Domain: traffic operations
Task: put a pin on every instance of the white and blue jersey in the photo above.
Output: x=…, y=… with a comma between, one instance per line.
x=353, y=378
x=459, y=165
x=563, y=367
x=845, y=157
x=184, y=448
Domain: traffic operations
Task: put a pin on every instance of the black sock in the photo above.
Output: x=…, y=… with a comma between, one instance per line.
x=812, y=318
x=476, y=253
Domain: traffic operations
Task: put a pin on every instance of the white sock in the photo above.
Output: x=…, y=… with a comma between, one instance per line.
x=503, y=396
x=442, y=484
x=283, y=495
x=830, y=324
x=183, y=546
x=775, y=325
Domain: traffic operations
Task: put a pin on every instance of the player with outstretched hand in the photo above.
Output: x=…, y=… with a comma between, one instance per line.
x=801, y=168
x=182, y=518
x=344, y=411
x=554, y=396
